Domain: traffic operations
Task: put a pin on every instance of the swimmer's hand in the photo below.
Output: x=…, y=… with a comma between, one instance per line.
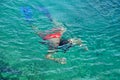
x=85, y=47
x=60, y=60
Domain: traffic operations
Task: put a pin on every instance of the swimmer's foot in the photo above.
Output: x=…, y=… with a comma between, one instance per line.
x=61, y=60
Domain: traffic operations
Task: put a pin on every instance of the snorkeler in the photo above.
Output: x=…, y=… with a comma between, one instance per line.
x=52, y=38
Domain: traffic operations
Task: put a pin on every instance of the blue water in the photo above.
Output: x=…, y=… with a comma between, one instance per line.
x=96, y=22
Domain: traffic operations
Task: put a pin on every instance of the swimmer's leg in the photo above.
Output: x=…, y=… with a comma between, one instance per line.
x=38, y=32
x=43, y=33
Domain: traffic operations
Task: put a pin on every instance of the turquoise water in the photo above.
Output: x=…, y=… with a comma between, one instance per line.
x=97, y=22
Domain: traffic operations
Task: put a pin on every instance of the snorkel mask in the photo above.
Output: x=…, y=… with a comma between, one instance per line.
x=75, y=41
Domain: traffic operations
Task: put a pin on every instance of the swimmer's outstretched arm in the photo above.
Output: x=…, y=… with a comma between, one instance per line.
x=59, y=60
x=85, y=47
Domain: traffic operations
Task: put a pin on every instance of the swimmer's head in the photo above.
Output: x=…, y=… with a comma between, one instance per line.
x=76, y=41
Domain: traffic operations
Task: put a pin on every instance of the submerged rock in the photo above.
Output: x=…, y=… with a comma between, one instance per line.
x=7, y=72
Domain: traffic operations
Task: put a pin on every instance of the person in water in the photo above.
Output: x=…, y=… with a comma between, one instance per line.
x=53, y=39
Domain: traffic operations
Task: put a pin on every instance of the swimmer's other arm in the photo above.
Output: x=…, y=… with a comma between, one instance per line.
x=85, y=47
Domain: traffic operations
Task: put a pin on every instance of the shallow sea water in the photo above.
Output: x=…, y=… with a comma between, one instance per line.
x=96, y=22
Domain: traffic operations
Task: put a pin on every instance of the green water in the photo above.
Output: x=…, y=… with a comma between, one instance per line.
x=97, y=22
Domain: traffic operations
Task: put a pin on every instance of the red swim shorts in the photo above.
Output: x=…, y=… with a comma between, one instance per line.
x=54, y=35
